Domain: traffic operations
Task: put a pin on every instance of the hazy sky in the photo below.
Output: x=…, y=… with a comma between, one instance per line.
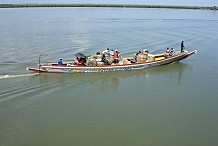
x=146, y=2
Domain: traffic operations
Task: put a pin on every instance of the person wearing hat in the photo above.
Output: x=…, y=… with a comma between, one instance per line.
x=60, y=63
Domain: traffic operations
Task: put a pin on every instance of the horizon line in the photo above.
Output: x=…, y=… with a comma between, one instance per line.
x=106, y=5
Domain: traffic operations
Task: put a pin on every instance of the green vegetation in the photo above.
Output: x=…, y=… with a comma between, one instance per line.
x=105, y=5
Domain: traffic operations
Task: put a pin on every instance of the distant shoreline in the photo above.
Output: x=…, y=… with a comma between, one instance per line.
x=106, y=5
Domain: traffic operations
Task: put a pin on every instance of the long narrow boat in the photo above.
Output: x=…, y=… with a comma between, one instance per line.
x=159, y=60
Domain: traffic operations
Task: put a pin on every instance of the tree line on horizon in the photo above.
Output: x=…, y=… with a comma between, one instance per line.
x=106, y=5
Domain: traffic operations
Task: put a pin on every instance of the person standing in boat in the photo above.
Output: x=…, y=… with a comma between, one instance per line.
x=60, y=63
x=116, y=56
x=182, y=46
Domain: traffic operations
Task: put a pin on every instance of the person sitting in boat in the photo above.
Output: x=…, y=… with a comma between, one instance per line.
x=135, y=58
x=106, y=51
x=172, y=51
x=138, y=56
x=142, y=56
x=116, y=56
x=98, y=56
x=79, y=61
x=167, y=52
x=104, y=59
x=60, y=62
x=145, y=52
x=111, y=53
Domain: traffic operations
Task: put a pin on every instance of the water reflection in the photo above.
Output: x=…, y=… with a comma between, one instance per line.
x=111, y=80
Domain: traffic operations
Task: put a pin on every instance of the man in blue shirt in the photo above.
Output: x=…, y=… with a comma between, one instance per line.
x=111, y=52
x=60, y=62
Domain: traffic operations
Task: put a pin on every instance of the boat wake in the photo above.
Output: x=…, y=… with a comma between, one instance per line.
x=16, y=76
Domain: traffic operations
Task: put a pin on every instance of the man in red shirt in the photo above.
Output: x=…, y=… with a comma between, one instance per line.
x=116, y=56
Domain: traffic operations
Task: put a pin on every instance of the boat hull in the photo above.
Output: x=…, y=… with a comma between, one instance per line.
x=45, y=68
